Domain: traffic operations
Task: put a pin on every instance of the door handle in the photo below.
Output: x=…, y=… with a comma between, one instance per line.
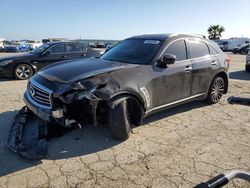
x=214, y=63
x=188, y=68
x=64, y=56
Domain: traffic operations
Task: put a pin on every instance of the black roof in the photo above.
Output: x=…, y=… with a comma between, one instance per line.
x=60, y=42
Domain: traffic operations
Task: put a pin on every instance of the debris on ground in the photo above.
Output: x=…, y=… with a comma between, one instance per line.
x=29, y=134
x=238, y=100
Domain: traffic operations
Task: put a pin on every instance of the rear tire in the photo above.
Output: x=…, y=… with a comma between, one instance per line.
x=23, y=71
x=248, y=68
x=216, y=90
x=119, y=122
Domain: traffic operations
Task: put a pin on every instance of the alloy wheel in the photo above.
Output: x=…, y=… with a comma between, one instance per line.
x=23, y=72
x=217, y=89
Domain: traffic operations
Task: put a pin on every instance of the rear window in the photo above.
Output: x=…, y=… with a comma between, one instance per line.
x=198, y=49
x=212, y=51
x=73, y=47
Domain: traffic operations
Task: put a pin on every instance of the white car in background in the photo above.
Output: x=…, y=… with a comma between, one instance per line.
x=33, y=43
x=231, y=43
x=1, y=45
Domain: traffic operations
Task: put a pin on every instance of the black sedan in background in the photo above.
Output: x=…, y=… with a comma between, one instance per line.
x=23, y=66
x=243, y=49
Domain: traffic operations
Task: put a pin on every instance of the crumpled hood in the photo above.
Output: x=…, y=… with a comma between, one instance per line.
x=73, y=70
x=17, y=56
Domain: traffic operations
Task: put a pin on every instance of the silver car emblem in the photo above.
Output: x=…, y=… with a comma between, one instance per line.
x=32, y=91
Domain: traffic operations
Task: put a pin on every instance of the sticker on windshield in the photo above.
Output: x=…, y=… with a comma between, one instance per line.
x=151, y=42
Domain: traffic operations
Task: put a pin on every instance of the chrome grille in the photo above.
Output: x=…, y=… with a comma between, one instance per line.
x=40, y=94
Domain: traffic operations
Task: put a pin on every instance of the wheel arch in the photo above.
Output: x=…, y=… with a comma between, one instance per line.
x=224, y=75
x=135, y=101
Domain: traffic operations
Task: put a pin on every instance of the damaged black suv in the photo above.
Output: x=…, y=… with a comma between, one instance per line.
x=137, y=77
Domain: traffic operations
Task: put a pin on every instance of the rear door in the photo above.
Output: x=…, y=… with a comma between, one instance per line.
x=203, y=65
x=75, y=50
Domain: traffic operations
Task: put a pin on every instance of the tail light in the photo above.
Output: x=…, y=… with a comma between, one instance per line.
x=228, y=60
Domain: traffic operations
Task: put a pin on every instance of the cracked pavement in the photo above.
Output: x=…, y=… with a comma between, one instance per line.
x=179, y=147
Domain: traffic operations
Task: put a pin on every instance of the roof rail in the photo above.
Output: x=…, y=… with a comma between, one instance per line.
x=192, y=34
x=198, y=35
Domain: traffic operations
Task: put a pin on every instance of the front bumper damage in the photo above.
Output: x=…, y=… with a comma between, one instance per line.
x=29, y=134
x=34, y=125
x=74, y=105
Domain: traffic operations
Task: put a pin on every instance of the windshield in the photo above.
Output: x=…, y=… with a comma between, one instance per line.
x=136, y=51
x=40, y=49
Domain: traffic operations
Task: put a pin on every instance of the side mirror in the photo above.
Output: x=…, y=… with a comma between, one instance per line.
x=166, y=60
x=47, y=53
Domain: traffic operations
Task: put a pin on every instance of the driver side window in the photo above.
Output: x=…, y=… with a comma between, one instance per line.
x=59, y=48
x=177, y=48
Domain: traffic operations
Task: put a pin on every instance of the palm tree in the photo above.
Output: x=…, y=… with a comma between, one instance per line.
x=215, y=31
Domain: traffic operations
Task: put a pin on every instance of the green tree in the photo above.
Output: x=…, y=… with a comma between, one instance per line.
x=214, y=31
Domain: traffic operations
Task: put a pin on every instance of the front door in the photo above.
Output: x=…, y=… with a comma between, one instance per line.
x=57, y=53
x=173, y=83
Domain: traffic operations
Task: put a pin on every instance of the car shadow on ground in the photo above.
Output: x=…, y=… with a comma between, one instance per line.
x=73, y=143
x=8, y=79
x=240, y=75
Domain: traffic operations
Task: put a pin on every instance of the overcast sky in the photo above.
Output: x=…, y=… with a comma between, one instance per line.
x=118, y=19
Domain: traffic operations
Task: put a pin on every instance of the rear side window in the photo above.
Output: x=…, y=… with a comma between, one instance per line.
x=84, y=48
x=178, y=49
x=73, y=47
x=212, y=51
x=198, y=49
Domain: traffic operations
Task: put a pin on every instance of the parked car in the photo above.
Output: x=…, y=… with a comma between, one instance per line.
x=92, y=45
x=44, y=41
x=108, y=47
x=248, y=62
x=33, y=44
x=16, y=47
x=242, y=49
x=221, y=43
x=230, y=44
x=100, y=45
x=137, y=77
x=23, y=66
x=1, y=46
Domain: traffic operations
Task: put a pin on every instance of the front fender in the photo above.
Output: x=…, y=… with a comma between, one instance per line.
x=115, y=100
x=34, y=67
